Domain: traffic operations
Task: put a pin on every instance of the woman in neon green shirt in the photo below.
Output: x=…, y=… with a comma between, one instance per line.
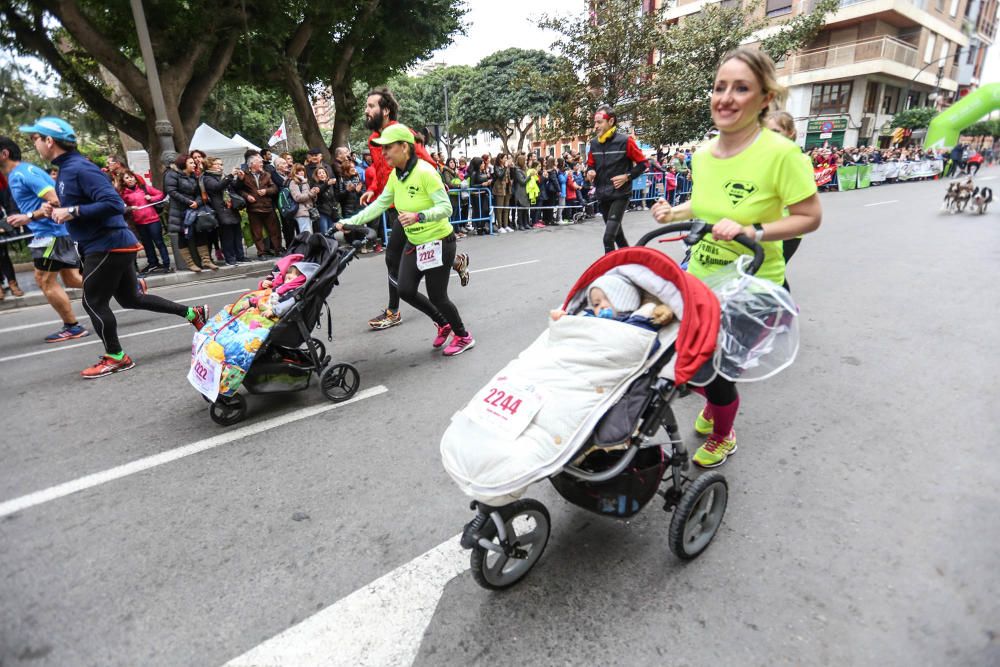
x=743, y=182
x=416, y=190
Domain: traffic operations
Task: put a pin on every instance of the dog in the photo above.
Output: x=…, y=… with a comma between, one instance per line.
x=949, y=197
x=964, y=195
x=981, y=200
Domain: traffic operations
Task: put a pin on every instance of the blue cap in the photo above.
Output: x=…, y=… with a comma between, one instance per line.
x=50, y=126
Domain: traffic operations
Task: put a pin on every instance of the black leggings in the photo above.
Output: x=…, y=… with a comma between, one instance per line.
x=788, y=248
x=721, y=391
x=6, y=266
x=113, y=274
x=438, y=306
x=393, y=255
x=612, y=211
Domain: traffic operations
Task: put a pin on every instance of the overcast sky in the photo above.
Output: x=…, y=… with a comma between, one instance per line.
x=494, y=25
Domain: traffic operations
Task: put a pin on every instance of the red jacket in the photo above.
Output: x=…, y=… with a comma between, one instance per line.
x=377, y=174
x=137, y=197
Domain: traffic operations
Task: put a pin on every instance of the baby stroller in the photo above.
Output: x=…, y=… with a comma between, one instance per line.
x=284, y=356
x=603, y=456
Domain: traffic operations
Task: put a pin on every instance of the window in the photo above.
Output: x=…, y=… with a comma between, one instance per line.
x=581, y=148
x=890, y=99
x=830, y=98
x=929, y=50
x=940, y=5
x=779, y=7
x=954, y=8
x=565, y=149
x=944, y=51
x=871, y=97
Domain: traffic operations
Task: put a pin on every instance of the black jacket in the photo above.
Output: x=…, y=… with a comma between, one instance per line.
x=181, y=189
x=214, y=187
x=611, y=159
x=327, y=202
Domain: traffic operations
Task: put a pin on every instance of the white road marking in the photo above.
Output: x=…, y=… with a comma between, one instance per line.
x=986, y=178
x=193, y=299
x=380, y=625
x=494, y=268
x=139, y=465
x=60, y=347
x=879, y=203
x=72, y=346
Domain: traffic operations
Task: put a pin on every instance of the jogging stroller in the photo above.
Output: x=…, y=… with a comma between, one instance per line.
x=280, y=357
x=587, y=420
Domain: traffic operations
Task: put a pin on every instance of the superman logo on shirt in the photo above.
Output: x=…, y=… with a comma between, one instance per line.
x=739, y=191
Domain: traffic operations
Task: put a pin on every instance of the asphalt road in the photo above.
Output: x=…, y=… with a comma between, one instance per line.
x=860, y=527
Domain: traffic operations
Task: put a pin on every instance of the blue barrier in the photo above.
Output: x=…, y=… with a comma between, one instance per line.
x=458, y=217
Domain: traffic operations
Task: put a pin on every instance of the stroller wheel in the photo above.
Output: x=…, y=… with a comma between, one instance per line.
x=228, y=410
x=698, y=515
x=339, y=382
x=527, y=525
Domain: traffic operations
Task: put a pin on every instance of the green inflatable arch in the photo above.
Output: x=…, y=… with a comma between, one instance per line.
x=946, y=126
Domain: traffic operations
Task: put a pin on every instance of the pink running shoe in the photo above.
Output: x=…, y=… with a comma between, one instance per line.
x=442, y=337
x=459, y=344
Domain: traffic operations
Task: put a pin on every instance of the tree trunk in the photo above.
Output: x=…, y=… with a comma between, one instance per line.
x=303, y=110
x=345, y=105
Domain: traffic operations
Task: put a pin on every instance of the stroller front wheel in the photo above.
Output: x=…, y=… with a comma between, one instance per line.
x=228, y=410
x=340, y=381
x=698, y=515
x=527, y=525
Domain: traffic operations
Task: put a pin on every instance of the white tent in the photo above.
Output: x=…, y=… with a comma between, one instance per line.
x=244, y=141
x=207, y=139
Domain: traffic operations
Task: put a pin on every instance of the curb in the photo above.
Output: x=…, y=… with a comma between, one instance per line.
x=260, y=268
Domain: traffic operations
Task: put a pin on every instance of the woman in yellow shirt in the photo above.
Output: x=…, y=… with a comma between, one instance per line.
x=416, y=190
x=743, y=182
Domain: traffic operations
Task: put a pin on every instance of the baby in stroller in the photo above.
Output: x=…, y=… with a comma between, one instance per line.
x=279, y=290
x=617, y=298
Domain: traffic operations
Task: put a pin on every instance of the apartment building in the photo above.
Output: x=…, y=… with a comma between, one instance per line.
x=873, y=59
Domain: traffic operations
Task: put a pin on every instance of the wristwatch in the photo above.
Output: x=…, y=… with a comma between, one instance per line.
x=759, y=234
x=421, y=217
x=74, y=211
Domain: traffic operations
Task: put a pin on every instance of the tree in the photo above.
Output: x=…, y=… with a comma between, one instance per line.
x=421, y=101
x=607, y=60
x=21, y=101
x=914, y=119
x=660, y=76
x=984, y=128
x=691, y=52
x=192, y=47
x=507, y=94
x=253, y=111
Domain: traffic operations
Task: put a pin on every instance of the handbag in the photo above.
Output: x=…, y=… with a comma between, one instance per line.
x=314, y=214
x=205, y=220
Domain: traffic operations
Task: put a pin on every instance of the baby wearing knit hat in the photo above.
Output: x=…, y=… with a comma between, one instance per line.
x=616, y=298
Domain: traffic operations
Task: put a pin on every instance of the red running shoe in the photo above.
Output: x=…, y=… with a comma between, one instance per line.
x=107, y=366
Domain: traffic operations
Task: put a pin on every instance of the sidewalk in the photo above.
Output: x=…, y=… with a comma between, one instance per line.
x=33, y=297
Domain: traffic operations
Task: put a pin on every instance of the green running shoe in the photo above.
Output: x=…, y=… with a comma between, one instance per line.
x=714, y=453
x=703, y=426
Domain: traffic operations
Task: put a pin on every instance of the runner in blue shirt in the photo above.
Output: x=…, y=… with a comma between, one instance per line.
x=91, y=210
x=52, y=250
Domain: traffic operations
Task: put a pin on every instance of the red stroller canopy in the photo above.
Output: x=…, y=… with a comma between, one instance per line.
x=699, y=328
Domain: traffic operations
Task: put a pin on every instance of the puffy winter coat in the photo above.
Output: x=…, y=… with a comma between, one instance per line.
x=301, y=193
x=215, y=185
x=140, y=199
x=182, y=189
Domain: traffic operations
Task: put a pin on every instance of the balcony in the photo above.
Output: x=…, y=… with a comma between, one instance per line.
x=852, y=53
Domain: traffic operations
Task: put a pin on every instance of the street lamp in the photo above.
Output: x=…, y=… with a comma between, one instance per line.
x=909, y=84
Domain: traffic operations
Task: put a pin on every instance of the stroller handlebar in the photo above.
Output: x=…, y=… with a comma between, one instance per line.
x=697, y=230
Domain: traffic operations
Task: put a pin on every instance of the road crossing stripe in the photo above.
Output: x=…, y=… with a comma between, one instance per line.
x=879, y=203
x=379, y=625
x=96, y=479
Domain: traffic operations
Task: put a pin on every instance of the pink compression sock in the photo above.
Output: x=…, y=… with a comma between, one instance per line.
x=725, y=417
x=707, y=410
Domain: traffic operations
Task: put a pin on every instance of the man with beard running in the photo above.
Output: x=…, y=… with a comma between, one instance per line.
x=381, y=111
